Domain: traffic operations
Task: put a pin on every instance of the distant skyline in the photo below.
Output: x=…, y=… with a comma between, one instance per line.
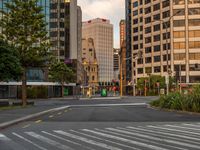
x=114, y=10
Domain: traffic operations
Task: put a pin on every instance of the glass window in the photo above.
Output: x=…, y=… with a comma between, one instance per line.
x=194, y=11
x=194, y=22
x=193, y=1
x=179, y=23
x=179, y=34
x=179, y=45
x=194, y=44
x=195, y=33
x=180, y=56
x=179, y=12
x=179, y=2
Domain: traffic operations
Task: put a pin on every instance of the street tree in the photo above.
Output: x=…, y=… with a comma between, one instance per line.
x=60, y=72
x=24, y=27
x=10, y=67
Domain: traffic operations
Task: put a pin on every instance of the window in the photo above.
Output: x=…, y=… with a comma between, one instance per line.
x=195, y=33
x=148, y=70
x=147, y=10
x=157, y=48
x=166, y=25
x=180, y=56
x=194, y=22
x=179, y=45
x=156, y=58
x=179, y=23
x=148, y=60
x=166, y=46
x=147, y=1
x=148, y=40
x=156, y=27
x=194, y=56
x=135, y=38
x=135, y=4
x=140, y=70
x=156, y=7
x=156, y=38
x=193, y=1
x=147, y=49
x=166, y=14
x=135, y=13
x=135, y=47
x=194, y=44
x=165, y=57
x=179, y=2
x=135, y=30
x=179, y=12
x=135, y=21
x=165, y=3
x=156, y=17
x=179, y=34
x=157, y=69
x=148, y=30
x=147, y=20
x=166, y=36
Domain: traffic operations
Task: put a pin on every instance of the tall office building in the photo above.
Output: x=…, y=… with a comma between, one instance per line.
x=166, y=38
x=128, y=6
x=64, y=29
x=101, y=31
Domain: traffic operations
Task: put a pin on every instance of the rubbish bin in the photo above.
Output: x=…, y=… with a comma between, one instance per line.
x=104, y=93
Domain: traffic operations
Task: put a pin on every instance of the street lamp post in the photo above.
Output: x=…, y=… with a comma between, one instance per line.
x=167, y=48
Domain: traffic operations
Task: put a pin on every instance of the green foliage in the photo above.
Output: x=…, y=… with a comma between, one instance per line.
x=24, y=26
x=34, y=92
x=60, y=72
x=10, y=68
x=177, y=101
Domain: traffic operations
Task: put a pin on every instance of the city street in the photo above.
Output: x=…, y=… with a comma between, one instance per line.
x=120, y=124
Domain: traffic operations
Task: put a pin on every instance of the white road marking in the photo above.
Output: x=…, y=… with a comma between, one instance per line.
x=182, y=127
x=4, y=138
x=60, y=138
x=49, y=141
x=154, y=138
x=104, y=140
x=181, y=137
x=24, y=139
x=187, y=132
x=193, y=125
x=86, y=140
x=140, y=139
x=126, y=140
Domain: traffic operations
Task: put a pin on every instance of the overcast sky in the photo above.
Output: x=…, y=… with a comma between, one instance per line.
x=109, y=9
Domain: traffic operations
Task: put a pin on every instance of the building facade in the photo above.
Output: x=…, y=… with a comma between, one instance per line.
x=116, y=63
x=166, y=39
x=89, y=61
x=122, y=30
x=101, y=31
x=64, y=29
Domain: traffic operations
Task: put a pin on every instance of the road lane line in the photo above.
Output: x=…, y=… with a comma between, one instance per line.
x=181, y=131
x=86, y=140
x=25, y=139
x=38, y=121
x=48, y=141
x=181, y=137
x=183, y=127
x=60, y=113
x=4, y=138
x=51, y=116
x=126, y=140
x=193, y=125
x=26, y=126
x=143, y=140
x=104, y=140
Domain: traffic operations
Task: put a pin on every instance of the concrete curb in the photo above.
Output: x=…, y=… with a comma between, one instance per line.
x=16, y=121
x=101, y=98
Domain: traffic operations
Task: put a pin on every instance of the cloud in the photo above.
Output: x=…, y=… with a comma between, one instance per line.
x=109, y=9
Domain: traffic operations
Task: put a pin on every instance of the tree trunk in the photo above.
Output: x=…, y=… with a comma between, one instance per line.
x=62, y=89
x=24, y=82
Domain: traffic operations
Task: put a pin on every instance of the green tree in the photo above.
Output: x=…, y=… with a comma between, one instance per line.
x=24, y=26
x=60, y=72
x=10, y=68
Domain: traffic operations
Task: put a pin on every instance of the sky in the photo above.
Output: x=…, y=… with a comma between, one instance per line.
x=114, y=10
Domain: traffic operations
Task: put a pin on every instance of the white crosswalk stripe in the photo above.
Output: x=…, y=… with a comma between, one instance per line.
x=173, y=136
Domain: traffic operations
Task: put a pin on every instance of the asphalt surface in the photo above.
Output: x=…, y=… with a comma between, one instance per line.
x=89, y=125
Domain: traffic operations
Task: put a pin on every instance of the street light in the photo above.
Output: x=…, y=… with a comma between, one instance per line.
x=165, y=23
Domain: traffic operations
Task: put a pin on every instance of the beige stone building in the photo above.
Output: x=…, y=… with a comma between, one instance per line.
x=166, y=38
x=101, y=31
x=89, y=62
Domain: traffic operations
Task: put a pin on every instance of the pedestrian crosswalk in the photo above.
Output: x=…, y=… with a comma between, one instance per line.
x=174, y=136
